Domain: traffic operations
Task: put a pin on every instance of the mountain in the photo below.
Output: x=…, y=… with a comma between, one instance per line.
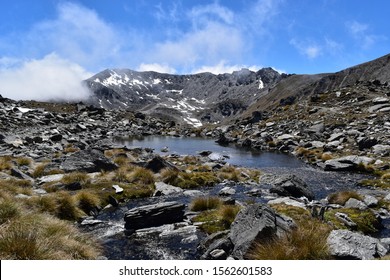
x=193, y=99
x=300, y=87
x=207, y=98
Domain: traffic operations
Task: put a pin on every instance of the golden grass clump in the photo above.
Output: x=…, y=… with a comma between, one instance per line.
x=23, y=161
x=39, y=170
x=342, y=197
x=37, y=236
x=67, y=208
x=80, y=177
x=306, y=242
x=88, y=201
x=205, y=203
x=142, y=176
x=5, y=163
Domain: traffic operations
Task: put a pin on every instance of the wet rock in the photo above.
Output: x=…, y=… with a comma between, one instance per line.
x=226, y=191
x=154, y=215
x=223, y=140
x=291, y=185
x=345, y=244
x=205, y=153
x=257, y=222
x=87, y=160
x=165, y=189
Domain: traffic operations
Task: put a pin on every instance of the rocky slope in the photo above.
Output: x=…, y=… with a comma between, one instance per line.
x=190, y=99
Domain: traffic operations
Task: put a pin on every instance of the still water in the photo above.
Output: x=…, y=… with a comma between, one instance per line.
x=193, y=145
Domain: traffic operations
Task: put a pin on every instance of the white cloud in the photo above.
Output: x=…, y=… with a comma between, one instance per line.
x=309, y=49
x=215, y=12
x=79, y=34
x=50, y=78
x=222, y=68
x=362, y=35
x=160, y=68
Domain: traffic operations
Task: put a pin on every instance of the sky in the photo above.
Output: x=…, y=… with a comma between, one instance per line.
x=48, y=46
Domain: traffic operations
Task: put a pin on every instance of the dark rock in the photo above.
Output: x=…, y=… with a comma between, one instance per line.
x=90, y=160
x=366, y=143
x=223, y=246
x=345, y=244
x=20, y=174
x=154, y=215
x=56, y=138
x=257, y=222
x=158, y=163
x=347, y=163
x=291, y=185
x=205, y=153
x=223, y=140
x=113, y=201
x=75, y=186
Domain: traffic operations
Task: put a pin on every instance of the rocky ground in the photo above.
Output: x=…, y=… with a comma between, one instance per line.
x=60, y=160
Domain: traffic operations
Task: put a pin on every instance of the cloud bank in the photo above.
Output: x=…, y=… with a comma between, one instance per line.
x=49, y=79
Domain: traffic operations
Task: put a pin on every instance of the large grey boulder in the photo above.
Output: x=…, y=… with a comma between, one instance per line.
x=154, y=215
x=90, y=160
x=257, y=222
x=347, y=163
x=166, y=189
x=345, y=244
x=291, y=185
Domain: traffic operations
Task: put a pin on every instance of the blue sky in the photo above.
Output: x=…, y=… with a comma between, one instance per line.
x=62, y=42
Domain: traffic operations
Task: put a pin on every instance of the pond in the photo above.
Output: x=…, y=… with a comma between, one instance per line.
x=193, y=145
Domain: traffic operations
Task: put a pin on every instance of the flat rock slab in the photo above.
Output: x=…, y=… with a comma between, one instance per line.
x=347, y=163
x=291, y=185
x=88, y=161
x=166, y=189
x=154, y=215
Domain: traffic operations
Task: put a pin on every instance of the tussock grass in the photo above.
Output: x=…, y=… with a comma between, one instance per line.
x=142, y=176
x=342, y=197
x=9, y=209
x=35, y=236
x=39, y=170
x=67, y=208
x=205, y=203
x=5, y=163
x=215, y=216
x=306, y=242
x=16, y=186
x=194, y=180
x=88, y=201
x=23, y=161
x=169, y=175
x=74, y=177
x=70, y=149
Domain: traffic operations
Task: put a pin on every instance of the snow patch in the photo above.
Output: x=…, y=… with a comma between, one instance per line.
x=261, y=84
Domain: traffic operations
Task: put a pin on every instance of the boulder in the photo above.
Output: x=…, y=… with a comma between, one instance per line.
x=370, y=201
x=154, y=215
x=287, y=201
x=256, y=222
x=157, y=163
x=345, y=244
x=356, y=204
x=291, y=185
x=90, y=160
x=165, y=189
x=387, y=198
x=347, y=163
x=226, y=191
x=366, y=143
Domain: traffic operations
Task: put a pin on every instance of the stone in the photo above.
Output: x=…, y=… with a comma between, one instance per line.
x=118, y=189
x=291, y=185
x=223, y=244
x=90, y=160
x=387, y=198
x=56, y=138
x=226, y=191
x=366, y=143
x=347, y=163
x=356, y=204
x=166, y=189
x=154, y=215
x=378, y=107
x=335, y=136
x=16, y=172
x=157, y=163
x=381, y=150
x=370, y=201
x=50, y=178
x=346, y=220
x=256, y=222
x=345, y=244
x=287, y=201
x=218, y=254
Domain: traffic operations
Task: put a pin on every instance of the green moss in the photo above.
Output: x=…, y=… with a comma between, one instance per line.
x=365, y=220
